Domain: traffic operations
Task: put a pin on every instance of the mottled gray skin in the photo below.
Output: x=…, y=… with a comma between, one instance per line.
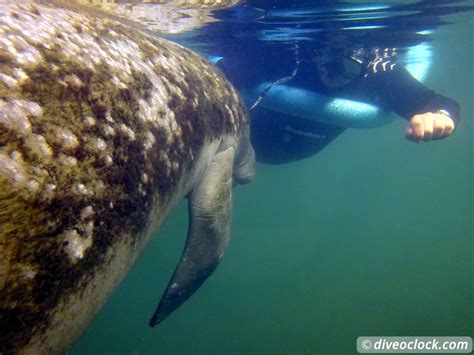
x=102, y=131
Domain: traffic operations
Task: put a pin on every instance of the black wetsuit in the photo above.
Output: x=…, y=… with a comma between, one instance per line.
x=281, y=138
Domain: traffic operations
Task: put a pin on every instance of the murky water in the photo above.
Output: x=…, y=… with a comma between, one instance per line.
x=372, y=236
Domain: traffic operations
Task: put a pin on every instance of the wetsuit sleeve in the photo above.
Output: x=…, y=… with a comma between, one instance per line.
x=394, y=88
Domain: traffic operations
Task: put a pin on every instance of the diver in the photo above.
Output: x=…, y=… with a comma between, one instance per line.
x=295, y=116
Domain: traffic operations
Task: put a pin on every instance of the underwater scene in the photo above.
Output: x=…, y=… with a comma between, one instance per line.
x=351, y=170
x=373, y=235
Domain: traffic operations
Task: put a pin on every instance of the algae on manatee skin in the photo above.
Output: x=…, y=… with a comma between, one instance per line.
x=99, y=126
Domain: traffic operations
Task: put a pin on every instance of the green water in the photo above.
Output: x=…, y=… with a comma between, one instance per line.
x=373, y=236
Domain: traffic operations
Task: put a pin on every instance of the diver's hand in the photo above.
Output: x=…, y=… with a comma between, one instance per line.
x=429, y=126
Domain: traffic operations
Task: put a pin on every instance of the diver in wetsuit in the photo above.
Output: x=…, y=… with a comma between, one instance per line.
x=295, y=117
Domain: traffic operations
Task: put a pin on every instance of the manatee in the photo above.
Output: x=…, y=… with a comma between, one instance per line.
x=103, y=130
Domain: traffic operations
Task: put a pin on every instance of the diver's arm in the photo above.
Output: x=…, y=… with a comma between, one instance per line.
x=432, y=116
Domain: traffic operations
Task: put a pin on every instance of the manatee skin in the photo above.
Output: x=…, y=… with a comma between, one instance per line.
x=102, y=131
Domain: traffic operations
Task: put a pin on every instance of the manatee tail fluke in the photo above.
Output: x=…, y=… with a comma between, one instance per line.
x=208, y=235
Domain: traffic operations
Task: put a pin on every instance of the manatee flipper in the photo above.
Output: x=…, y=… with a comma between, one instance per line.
x=208, y=234
x=244, y=164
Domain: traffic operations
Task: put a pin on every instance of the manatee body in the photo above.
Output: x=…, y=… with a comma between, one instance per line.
x=102, y=131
